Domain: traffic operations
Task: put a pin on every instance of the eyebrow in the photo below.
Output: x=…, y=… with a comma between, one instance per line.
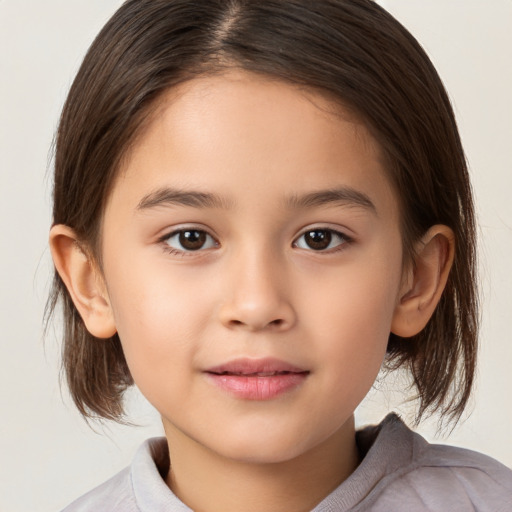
x=170, y=196
x=344, y=196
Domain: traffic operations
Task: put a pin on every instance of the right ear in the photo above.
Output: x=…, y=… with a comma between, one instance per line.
x=83, y=280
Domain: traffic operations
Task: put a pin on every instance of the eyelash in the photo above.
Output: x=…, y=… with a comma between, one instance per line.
x=344, y=240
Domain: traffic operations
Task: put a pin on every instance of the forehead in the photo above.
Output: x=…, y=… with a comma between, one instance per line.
x=244, y=130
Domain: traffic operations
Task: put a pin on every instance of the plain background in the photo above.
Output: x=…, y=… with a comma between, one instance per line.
x=48, y=454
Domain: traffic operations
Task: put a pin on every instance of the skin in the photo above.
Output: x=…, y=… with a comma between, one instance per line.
x=256, y=289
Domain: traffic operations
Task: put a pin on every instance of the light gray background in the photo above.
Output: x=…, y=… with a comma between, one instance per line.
x=48, y=455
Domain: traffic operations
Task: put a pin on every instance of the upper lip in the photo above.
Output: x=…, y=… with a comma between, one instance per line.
x=247, y=366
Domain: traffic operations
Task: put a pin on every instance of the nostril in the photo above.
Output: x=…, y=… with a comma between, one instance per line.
x=277, y=323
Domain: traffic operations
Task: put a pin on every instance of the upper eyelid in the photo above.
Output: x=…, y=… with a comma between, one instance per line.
x=167, y=233
x=340, y=232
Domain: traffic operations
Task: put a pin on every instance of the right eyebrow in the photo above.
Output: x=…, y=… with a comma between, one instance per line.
x=167, y=196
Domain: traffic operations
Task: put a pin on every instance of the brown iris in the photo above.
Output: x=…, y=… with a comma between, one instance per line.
x=318, y=239
x=192, y=240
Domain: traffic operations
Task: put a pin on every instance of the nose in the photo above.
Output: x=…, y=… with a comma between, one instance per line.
x=257, y=295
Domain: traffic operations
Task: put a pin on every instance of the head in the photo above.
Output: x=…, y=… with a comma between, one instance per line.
x=352, y=59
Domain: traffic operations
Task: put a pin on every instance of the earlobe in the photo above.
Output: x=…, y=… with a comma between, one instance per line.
x=83, y=281
x=424, y=281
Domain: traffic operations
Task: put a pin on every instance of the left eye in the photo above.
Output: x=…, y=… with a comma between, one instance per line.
x=320, y=239
x=190, y=240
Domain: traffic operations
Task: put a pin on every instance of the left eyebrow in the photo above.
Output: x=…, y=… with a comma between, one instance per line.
x=345, y=196
x=175, y=197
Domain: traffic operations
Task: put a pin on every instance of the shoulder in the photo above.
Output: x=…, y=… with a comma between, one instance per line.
x=437, y=477
x=450, y=478
x=115, y=495
x=137, y=488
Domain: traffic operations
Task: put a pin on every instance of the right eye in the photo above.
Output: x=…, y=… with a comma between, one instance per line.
x=189, y=240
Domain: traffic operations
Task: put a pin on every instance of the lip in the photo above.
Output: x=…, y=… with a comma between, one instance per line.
x=256, y=379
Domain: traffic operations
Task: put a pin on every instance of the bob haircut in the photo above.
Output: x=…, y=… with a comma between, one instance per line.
x=351, y=51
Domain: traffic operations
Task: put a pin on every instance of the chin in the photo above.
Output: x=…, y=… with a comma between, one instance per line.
x=263, y=447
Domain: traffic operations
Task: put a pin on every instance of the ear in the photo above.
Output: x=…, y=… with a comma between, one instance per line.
x=83, y=280
x=424, y=281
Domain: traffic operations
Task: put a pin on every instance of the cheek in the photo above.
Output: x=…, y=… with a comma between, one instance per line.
x=352, y=313
x=159, y=320
x=361, y=296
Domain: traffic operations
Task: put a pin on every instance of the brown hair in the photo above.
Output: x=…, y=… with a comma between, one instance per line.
x=351, y=50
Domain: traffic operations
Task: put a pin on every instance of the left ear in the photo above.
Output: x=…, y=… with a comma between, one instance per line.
x=424, y=281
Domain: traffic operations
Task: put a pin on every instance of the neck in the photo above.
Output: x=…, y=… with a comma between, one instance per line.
x=207, y=482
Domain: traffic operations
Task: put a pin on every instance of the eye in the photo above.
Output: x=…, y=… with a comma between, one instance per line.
x=321, y=239
x=186, y=240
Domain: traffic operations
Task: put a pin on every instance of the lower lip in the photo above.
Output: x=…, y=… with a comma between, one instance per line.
x=258, y=388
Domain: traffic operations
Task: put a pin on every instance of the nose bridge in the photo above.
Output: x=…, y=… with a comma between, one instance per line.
x=256, y=295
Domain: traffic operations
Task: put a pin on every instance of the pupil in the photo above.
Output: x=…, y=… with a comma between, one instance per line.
x=192, y=240
x=318, y=239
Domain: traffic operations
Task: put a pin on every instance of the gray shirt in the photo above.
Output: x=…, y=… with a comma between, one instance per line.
x=399, y=472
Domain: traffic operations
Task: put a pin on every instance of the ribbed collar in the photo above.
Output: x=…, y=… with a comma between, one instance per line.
x=386, y=450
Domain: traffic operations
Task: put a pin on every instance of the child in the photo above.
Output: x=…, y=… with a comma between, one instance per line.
x=256, y=204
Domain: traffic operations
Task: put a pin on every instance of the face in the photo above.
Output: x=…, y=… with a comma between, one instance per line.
x=253, y=260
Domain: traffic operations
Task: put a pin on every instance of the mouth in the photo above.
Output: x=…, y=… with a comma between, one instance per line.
x=257, y=379
x=254, y=374
x=256, y=367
